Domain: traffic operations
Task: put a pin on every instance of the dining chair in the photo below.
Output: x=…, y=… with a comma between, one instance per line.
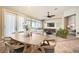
x=14, y=48
x=13, y=45
x=3, y=47
x=7, y=39
x=49, y=46
x=9, y=47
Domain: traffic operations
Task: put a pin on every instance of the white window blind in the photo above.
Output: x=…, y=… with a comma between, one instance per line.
x=36, y=24
x=33, y=24
x=9, y=23
x=39, y=24
x=28, y=22
x=20, y=22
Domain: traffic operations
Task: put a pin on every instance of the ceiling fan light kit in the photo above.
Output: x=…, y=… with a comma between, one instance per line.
x=49, y=16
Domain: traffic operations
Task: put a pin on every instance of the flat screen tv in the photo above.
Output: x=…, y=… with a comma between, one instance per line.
x=50, y=24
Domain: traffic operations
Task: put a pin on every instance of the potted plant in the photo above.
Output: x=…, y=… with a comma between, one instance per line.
x=27, y=30
x=62, y=33
x=26, y=27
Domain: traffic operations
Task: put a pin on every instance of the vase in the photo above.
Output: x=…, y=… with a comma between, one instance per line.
x=27, y=33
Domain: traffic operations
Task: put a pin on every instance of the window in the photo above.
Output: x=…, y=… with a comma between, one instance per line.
x=28, y=22
x=33, y=24
x=20, y=22
x=36, y=24
x=9, y=23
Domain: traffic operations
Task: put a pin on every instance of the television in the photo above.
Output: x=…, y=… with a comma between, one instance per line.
x=50, y=24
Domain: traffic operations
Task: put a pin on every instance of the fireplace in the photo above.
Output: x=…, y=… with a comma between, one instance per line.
x=49, y=31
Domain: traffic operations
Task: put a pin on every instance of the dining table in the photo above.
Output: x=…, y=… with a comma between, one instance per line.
x=34, y=38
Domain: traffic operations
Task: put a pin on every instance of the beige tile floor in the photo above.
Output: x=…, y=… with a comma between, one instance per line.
x=67, y=45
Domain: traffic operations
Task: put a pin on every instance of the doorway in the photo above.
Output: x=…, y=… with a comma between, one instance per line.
x=70, y=25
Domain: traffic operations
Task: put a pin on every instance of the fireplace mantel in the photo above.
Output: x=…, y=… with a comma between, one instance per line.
x=50, y=31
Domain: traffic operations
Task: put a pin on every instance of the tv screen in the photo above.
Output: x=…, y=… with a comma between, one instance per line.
x=50, y=24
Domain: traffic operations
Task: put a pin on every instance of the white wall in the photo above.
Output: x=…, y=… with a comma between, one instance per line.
x=71, y=12
x=77, y=25
x=58, y=23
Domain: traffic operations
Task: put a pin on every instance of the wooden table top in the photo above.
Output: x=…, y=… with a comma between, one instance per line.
x=35, y=39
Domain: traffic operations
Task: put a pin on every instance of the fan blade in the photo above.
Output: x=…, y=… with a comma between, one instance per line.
x=52, y=15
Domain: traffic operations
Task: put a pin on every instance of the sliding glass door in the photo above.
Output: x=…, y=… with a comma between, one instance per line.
x=9, y=23
x=13, y=23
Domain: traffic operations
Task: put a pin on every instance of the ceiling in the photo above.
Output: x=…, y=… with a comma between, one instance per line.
x=40, y=12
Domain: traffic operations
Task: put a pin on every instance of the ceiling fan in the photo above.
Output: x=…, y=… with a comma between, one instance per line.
x=50, y=16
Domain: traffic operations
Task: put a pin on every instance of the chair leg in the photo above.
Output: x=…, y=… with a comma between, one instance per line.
x=25, y=48
x=42, y=50
x=34, y=48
